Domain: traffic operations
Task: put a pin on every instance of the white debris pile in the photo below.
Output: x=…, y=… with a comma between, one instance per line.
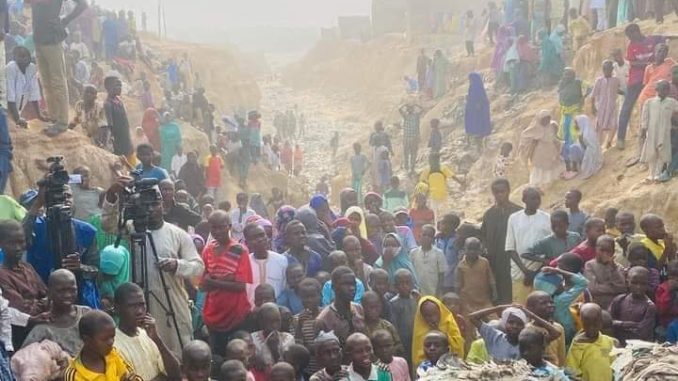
x=645, y=361
x=450, y=368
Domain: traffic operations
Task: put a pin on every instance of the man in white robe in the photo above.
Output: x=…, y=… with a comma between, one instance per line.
x=178, y=260
x=656, y=132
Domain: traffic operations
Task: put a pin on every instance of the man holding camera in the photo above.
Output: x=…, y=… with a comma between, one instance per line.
x=84, y=262
x=177, y=259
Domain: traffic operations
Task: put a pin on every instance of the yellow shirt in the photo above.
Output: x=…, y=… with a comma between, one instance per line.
x=591, y=361
x=116, y=369
x=437, y=182
x=141, y=352
x=477, y=354
x=657, y=249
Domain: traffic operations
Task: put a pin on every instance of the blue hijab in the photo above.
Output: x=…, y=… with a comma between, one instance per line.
x=400, y=261
x=477, y=114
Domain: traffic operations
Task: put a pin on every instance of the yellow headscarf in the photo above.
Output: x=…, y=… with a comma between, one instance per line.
x=447, y=325
x=363, y=226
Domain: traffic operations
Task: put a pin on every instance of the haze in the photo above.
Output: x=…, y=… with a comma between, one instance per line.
x=216, y=21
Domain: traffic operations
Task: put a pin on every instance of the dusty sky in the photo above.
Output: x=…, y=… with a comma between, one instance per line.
x=246, y=13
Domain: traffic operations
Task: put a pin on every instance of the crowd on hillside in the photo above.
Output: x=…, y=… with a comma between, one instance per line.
x=378, y=289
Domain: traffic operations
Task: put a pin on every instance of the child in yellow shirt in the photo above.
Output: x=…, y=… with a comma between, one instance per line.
x=98, y=361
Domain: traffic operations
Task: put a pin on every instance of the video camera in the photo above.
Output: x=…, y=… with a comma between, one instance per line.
x=55, y=182
x=137, y=200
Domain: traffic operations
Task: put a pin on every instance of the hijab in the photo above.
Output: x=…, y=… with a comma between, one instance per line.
x=316, y=239
x=540, y=144
x=150, y=123
x=284, y=215
x=502, y=46
x=477, y=113
x=401, y=260
x=363, y=225
x=446, y=325
x=114, y=262
x=556, y=38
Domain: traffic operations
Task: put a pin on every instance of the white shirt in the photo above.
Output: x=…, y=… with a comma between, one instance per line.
x=8, y=317
x=178, y=161
x=353, y=376
x=271, y=270
x=22, y=87
x=141, y=352
x=521, y=233
x=81, y=72
x=238, y=222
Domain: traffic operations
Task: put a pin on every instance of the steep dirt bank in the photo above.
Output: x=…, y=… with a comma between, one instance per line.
x=229, y=85
x=351, y=70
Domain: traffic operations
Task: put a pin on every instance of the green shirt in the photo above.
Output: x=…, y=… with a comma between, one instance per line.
x=10, y=209
x=551, y=246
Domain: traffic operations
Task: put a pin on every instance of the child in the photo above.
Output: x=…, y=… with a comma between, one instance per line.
x=579, y=28
x=571, y=101
x=550, y=280
x=589, y=356
x=98, y=358
x=299, y=357
x=532, y=344
x=334, y=144
x=593, y=229
x=282, y=371
x=322, y=187
x=469, y=33
x=137, y=334
x=421, y=215
x=116, y=119
x=541, y=304
x=328, y=355
x=290, y=297
x=475, y=280
x=633, y=313
x=214, y=164
x=638, y=255
x=384, y=344
x=658, y=241
x=378, y=282
x=404, y=307
x=196, y=360
x=359, y=351
x=303, y=325
x=435, y=141
x=359, y=166
x=610, y=218
x=432, y=315
x=577, y=218
x=270, y=342
x=503, y=346
x=436, y=176
x=605, y=279
x=372, y=309
x=384, y=170
x=232, y=370
x=429, y=263
x=436, y=344
x=339, y=258
x=477, y=352
x=604, y=104
x=395, y=197
x=238, y=350
x=667, y=303
x=503, y=161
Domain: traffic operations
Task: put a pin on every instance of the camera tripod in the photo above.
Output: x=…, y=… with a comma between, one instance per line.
x=138, y=240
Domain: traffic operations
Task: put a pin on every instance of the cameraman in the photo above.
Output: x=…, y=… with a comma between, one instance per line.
x=178, y=259
x=84, y=263
x=175, y=212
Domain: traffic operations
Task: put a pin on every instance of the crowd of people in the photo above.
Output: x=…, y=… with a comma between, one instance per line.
x=380, y=288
